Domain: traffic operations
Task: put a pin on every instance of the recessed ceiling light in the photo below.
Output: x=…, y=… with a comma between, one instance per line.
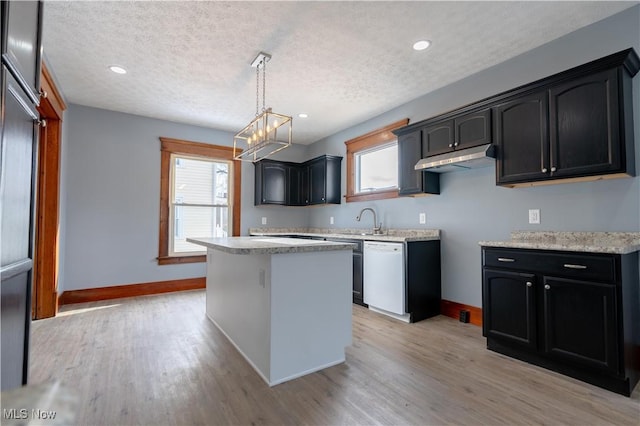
x=117, y=69
x=421, y=45
x=303, y=115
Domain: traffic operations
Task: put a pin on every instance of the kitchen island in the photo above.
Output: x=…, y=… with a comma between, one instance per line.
x=284, y=303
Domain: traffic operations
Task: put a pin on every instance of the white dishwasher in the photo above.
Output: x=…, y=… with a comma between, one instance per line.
x=384, y=283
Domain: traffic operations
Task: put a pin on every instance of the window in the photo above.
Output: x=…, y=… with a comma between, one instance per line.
x=372, y=164
x=197, y=188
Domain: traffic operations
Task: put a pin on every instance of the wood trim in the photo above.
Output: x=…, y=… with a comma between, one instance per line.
x=170, y=146
x=55, y=101
x=452, y=309
x=46, y=249
x=131, y=290
x=369, y=140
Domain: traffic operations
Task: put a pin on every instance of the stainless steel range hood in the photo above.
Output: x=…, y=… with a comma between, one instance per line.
x=464, y=159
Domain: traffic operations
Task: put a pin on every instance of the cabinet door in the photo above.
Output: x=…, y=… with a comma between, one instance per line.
x=358, y=290
x=317, y=179
x=580, y=323
x=585, y=126
x=472, y=129
x=409, y=153
x=508, y=307
x=522, y=139
x=22, y=55
x=294, y=186
x=333, y=182
x=274, y=183
x=437, y=139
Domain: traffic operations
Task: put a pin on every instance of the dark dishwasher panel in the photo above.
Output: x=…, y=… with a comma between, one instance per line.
x=358, y=287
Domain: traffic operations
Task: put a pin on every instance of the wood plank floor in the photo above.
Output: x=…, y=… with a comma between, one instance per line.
x=158, y=360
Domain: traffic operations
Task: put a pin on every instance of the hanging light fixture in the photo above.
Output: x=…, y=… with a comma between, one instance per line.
x=268, y=132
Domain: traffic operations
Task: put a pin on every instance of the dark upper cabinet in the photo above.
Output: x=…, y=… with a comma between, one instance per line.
x=324, y=174
x=316, y=181
x=270, y=182
x=21, y=45
x=509, y=308
x=463, y=131
x=411, y=181
x=585, y=126
x=437, y=138
x=472, y=129
x=522, y=139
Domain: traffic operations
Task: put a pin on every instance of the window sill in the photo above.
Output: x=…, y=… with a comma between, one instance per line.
x=173, y=260
x=380, y=195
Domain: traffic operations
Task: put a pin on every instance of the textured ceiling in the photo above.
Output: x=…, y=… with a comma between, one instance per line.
x=339, y=62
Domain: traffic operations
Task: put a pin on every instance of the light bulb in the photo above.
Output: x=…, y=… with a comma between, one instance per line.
x=275, y=123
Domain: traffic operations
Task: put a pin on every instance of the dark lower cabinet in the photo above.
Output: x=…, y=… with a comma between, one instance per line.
x=575, y=313
x=423, y=279
x=358, y=272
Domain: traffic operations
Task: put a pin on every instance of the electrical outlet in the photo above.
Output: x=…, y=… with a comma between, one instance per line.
x=423, y=218
x=264, y=220
x=331, y=220
x=534, y=216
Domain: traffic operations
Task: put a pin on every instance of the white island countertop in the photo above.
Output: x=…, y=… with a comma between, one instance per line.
x=265, y=245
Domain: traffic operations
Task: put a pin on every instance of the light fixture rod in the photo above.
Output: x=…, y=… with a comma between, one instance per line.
x=262, y=57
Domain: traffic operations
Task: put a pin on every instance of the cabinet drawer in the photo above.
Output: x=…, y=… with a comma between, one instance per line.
x=580, y=265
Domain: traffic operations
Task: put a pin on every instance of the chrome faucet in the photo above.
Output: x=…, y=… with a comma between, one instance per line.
x=377, y=229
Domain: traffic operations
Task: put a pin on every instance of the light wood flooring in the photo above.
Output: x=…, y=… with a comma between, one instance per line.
x=157, y=360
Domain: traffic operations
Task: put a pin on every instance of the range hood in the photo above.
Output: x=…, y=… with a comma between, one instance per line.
x=464, y=159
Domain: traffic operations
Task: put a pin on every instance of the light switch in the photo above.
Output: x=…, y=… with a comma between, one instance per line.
x=264, y=220
x=423, y=218
x=331, y=220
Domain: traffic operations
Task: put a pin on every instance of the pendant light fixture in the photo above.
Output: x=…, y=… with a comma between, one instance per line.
x=268, y=132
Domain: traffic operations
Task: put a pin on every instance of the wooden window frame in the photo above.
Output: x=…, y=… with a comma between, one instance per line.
x=365, y=142
x=170, y=146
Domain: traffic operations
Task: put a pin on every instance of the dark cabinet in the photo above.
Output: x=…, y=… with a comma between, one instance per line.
x=21, y=50
x=411, y=181
x=358, y=272
x=463, y=131
x=271, y=182
x=317, y=181
x=19, y=88
x=571, y=312
x=522, y=138
x=423, y=279
x=508, y=300
x=585, y=126
x=579, y=127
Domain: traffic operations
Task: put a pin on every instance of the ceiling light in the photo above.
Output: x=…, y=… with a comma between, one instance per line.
x=421, y=45
x=117, y=69
x=303, y=115
x=268, y=132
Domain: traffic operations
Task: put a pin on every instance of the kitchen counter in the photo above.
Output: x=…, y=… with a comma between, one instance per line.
x=391, y=235
x=284, y=303
x=590, y=242
x=253, y=245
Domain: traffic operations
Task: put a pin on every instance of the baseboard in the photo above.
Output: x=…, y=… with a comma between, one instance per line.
x=131, y=290
x=452, y=309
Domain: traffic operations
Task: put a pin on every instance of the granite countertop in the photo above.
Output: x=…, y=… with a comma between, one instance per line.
x=265, y=245
x=392, y=235
x=593, y=242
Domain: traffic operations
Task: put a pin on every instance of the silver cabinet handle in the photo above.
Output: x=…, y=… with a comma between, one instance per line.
x=529, y=283
x=505, y=259
x=544, y=170
x=450, y=145
x=553, y=169
x=547, y=287
x=456, y=144
x=571, y=266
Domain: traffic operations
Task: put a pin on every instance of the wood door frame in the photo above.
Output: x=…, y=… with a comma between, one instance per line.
x=46, y=252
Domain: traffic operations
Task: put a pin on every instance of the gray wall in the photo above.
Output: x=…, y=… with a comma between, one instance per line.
x=111, y=192
x=471, y=207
